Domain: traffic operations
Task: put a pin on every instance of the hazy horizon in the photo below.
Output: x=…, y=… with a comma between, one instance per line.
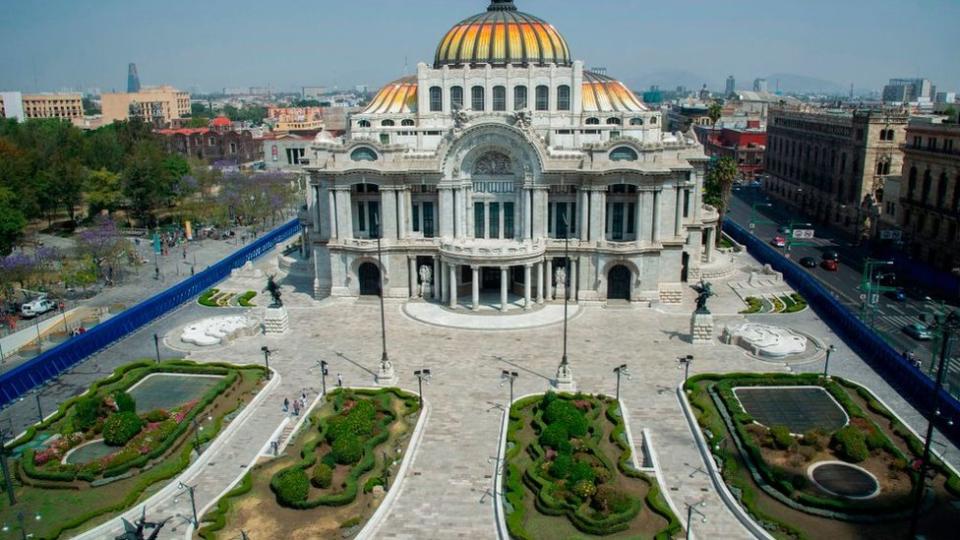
x=48, y=45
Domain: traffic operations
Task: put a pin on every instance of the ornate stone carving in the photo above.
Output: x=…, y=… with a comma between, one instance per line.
x=522, y=119
x=460, y=118
x=493, y=164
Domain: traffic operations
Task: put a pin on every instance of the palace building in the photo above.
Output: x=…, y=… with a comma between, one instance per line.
x=478, y=172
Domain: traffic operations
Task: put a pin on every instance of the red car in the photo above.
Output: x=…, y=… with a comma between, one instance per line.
x=779, y=241
x=829, y=265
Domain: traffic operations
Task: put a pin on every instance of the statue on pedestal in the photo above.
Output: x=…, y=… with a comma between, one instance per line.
x=426, y=280
x=274, y=291
x=704, y=292
x=560, y=275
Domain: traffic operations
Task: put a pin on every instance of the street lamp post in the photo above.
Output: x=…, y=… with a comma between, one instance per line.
x=684, y=362
x=39, y=408
x=386, y=375
x=156, y=346
x=197, y=428
x=620, y=370
x=564, y=375
x=869, y=288
x=422, y=375
x=7, y=482
x=826, y=366
x=323, y=376
x=266, y=359
x=193, y=502
x=950, y=326
x=508, y=376
x=692, y=509
x=753, y=214
x=21, y=518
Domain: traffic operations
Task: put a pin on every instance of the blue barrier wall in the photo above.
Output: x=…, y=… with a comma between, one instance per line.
x=53, y=362
x=909, y=381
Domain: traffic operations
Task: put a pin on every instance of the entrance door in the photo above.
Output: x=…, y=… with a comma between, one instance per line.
x=685, y=267
x=369, y=279
x=490, y=279
x=618, y=283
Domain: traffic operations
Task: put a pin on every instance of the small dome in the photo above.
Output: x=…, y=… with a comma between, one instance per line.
x=500, y=36
x=221, y=121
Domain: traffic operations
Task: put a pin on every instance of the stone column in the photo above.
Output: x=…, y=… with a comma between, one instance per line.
x=573, y=276
x=468, y=213
x=332, y=213
x=445, y=211
x=540, y=213
x=527, y=214
x=655, y=234
x=504, y=286
x=317, y=217
x=549, y=279
x=437, y=274
x=344, y=214
x=453, y=286
x=443, y=279
x=596, y=216
x=540, y=282
x=526, y=286
x=476, y=288
x=388, y=216
x=413, y=276
x=583, y=207
x=711, y=242
x=638, y=219
x=678, y=219
x=403, y=221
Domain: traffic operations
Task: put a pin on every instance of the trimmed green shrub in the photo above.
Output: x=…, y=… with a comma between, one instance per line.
x=121, y=427
x=372, y=483
x=322, y=476
x=347, y=449
x=352, y=522
x=564, y=412
x=781, y=437
x=582, y=471
x=206, y=298
x=291, y=486
x=556, y=436
x=124, y=401
x=158, y=415
x=245, y=299
x=86, y=412
x=328, y=460
x=562, y=466
x=584, y=489
x=359, y=421
x=851, y=444
x=875, y=440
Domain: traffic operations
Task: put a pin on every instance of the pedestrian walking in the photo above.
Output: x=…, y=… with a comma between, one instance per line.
x=184, y=253
x=275, y=446
x=296, y=408
x=286, y=404
x=339, y=380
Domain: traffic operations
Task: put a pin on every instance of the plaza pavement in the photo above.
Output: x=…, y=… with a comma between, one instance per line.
x=447, y=492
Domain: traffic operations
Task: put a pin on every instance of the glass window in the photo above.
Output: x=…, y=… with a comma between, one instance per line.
x=478, y=220
x=519, y=98
x=623, y=153
x=494, y=220
x=436, y=99
x=631, y=217
x=573, y=218
x=363, y=123
x=363, y=154
x=361, y=216
x=613, y=122
x=374, y=209
x=499, y=98
x=384, y=138
x=456, y=97
x=593, y=121
x=428, y=220
x=416, y=218
x=617, y=221
x=388, y=123
x=407, y=123
x=543, y=98
x=562, y=220
x=508, y=220
x=563, y=98
x=636, y=121
x=476, y=98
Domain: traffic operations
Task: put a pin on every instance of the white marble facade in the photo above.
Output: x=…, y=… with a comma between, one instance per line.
x=479, y=192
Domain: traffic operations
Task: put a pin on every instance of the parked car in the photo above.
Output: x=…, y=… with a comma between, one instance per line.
x=779, y=241
x=756, y=184
x=829, y=265
x=918, y=331
x=808, y=262
x=37, y=307
x=830, y=255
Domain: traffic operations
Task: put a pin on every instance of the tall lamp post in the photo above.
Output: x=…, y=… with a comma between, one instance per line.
x=422, y=375
x=193, y=502
x=21, y=518
x=684, y=362
x=266, y=359
x=509, y=376
x=7, y=482
x=950, y=326
x=386, y=376
x=323, y=376
x=826, y=366
x=564, y=379
x=156, y=346
x=693, y=509
x=754, y=220
x=621, y=370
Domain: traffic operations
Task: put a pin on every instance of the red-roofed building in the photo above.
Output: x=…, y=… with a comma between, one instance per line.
x=745, y=145
x=217, y=142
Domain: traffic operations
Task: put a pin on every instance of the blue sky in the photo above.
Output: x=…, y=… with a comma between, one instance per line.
x=211, y=44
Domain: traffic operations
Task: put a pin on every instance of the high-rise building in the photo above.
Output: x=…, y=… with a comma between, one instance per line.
x=760, y=85
x=133, y=79
x=731, y=85
x=157, y=105
x=47, y=105
x=908, y=91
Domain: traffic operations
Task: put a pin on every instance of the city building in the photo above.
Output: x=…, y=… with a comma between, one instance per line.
x=157, y=105
x=475, y=170
x=65, y=106
x=908, y=91
x=133, y=79
x=286, y=151
x=760, y=85
x=746, y=144
x=681, y=116
x=295, y=119
x=218, y=143
x=313, y=92
x=832, y=165
x=931, y=192
x=731, y=86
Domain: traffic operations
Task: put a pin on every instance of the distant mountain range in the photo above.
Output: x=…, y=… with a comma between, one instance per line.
x=802, y=84
x=788, y=82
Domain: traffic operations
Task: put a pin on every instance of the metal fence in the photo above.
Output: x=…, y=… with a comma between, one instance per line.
x=51, y=363
x=906, y=379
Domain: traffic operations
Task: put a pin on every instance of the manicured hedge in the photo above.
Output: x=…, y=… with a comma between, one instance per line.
x=121, y=427
x=217, y=518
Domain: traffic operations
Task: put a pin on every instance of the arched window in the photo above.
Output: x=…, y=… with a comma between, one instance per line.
x=653, y=120
x=476, y=99
x=879, y=167
x=927, y=184
x=563, y=98
x=593, y=121
x=623, y=153
x=942, y=191
x=613, y=122
x=363, y=123
x=499, y=98
x=636, y=121
x=519, y=98
x=436, y=99
x=543, y=98
x=408, y=123
x=363, y=154
x=912, y=186
x=456, y=97
x=388, y=123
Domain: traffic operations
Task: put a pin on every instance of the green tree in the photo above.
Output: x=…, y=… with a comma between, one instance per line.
x=714, y=113
x=12, y=221
x=951, y=113
x=143, y=181
x=103, y=190
x=718, y=185
x=90, y=107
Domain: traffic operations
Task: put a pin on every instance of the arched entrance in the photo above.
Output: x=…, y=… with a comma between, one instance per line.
x=618, y=283
x=369, y=279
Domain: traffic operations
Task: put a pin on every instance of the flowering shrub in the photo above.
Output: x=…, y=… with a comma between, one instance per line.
x=184, y=410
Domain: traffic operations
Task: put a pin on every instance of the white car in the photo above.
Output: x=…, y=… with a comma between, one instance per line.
x=37, y=307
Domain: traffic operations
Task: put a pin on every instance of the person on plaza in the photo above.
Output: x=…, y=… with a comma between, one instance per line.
x=339, y=380
x=286, y=404
x=296, y=407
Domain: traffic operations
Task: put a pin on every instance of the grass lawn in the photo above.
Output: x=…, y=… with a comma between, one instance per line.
x=71, y=498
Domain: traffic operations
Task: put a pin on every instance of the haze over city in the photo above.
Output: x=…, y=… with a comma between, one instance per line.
x=213, y=44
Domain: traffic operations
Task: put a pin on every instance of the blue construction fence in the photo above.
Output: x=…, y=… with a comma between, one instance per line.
x=915, y=386
x=51, y=363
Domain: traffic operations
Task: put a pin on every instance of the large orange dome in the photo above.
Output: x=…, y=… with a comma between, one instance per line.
x=502, y=35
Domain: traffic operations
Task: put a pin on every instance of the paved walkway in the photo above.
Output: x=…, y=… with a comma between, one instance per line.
x=466, y=319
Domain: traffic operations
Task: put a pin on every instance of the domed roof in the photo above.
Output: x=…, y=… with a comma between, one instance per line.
x=502, y=35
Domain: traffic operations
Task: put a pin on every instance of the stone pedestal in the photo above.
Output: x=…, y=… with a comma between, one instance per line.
x=386, y=376
x=276, y=321
x=426, y=291
x=701, y=329
x=560, y=292
x=564, y=381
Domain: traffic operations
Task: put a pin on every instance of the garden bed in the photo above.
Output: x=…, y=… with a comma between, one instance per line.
x=216, y=298
x=569, y=474
x=332, y=477
x=771, y=468
x=119, y=453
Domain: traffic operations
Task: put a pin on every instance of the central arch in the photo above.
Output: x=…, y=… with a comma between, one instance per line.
x=369, y=276
x=618, y=283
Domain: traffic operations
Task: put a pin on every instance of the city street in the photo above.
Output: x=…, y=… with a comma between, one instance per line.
x=888, y=317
